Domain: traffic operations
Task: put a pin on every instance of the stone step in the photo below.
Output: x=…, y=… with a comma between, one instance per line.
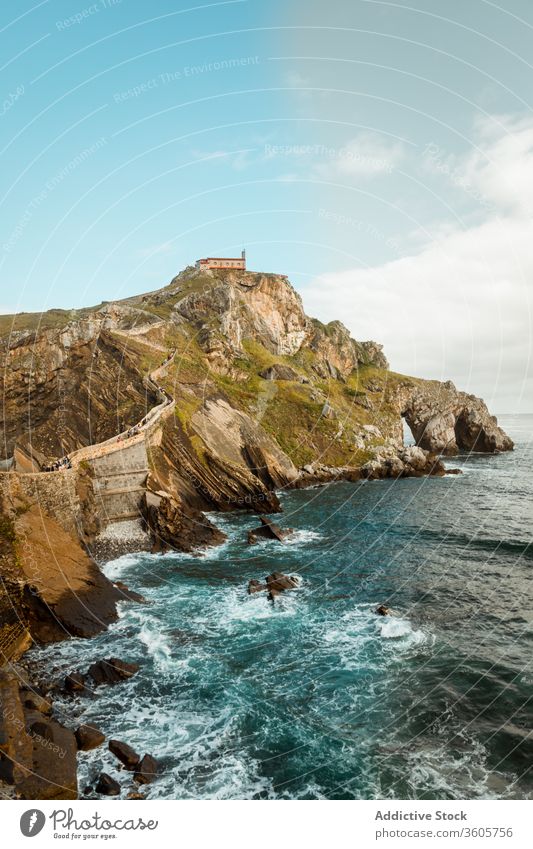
x=121, y=516
x=124, y=472
x=121, y=491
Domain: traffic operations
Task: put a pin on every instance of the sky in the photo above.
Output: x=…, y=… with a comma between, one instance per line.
x=379, y=153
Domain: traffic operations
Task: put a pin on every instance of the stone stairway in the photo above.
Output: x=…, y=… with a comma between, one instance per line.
x=119, y=481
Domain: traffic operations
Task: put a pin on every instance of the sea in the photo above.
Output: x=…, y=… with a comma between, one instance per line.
x=314, y=696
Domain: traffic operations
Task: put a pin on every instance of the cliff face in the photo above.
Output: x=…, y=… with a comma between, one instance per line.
x=443, y=419
x=67, y=387
x=258, y=391
x=51, y=589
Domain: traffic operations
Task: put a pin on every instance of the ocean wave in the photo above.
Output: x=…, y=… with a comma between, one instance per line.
x=519, y=547
x=393, y=628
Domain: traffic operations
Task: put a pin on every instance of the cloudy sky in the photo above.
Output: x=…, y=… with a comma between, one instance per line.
x=380, y=153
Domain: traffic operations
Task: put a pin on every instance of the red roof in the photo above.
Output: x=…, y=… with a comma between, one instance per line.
x=223, y=258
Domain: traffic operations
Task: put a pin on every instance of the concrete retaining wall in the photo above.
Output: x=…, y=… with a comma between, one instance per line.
x=119, y=479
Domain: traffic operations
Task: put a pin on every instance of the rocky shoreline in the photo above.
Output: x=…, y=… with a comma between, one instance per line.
x=38, y=754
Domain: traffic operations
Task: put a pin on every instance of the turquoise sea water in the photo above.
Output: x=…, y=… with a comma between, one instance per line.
x=315, y=696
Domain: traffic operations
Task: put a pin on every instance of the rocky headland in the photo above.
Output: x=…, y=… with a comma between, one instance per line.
x=211, y=394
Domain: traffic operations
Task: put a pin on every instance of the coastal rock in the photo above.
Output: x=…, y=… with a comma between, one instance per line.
x=146, y=771
x=445, y=420
x=129, y=595
x=75, y=683
x=275, y=584
x=34, y=701
x=409, y=462
x=248, y=305
x=107, y=786
x=173, y=525
x=255, y=586
x=15, y=744
x=54, y=765
x=126, y=755
x=337, y=354
x=111, y=671
x=88, y=737
x=269, y=530
x=58, y=590
x=278, y=582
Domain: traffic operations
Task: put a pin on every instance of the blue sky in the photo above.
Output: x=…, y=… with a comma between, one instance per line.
x=380, y=154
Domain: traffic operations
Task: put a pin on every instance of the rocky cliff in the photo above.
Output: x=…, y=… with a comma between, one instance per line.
x=259, y=391
x=207, y=395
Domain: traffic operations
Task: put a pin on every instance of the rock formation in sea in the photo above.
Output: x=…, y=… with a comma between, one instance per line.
x=123, y=425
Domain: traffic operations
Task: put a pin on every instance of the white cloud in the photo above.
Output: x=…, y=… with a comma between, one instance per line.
x=503, y=168
x=366, y=155
x=461, y=308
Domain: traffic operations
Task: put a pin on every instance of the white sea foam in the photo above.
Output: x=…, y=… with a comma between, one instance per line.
x=157, y=643
x=302, y=537
x=401, y=630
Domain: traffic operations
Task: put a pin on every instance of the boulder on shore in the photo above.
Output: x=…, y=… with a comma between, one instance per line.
x=412, y=461
x=126, y=755
x=146, y=770
x=75, y=682
x=32, y=700
x=54, y=769
x=107, y=786
x=88, y=737
x=111, y=671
